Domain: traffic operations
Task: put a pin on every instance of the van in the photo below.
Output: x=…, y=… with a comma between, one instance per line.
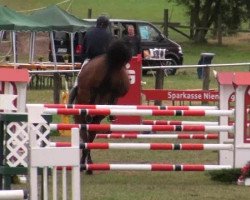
x=150, y=36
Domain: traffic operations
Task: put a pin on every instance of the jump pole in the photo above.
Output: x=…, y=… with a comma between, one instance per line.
x=131, y=112
x=122, y=127
x=37, y=111
x=147, y=146
x=137, y=107
x=153, y=167
x=175, y=122
x=149, y=167
x=156, y=136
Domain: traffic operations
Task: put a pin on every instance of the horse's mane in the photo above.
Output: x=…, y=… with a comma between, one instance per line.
x=118, y=54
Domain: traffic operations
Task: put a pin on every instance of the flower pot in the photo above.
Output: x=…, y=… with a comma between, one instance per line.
x=247, y=181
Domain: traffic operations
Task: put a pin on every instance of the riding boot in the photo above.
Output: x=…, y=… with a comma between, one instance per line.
x=72, y=95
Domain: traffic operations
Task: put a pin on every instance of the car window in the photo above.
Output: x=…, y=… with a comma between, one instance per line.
x=148, y=33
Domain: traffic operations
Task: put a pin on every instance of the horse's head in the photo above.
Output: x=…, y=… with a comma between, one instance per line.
x=118, y=54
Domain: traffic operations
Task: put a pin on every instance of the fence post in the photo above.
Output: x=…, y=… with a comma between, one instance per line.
x=89, y=13
x=57, y=87
x=165, y=22
x=206, y=78
x=159, y=81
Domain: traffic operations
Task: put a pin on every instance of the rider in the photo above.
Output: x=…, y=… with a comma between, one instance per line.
x=97, y=39
x=95, y=43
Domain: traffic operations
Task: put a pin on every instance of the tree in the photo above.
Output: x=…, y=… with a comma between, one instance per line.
x=205, y=14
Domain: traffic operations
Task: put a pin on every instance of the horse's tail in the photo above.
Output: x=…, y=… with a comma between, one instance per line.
x=72, y=95
x=118, y=54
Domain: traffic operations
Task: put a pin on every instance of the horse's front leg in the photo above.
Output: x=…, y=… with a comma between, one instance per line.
x=91, y=136
x=84, y=138
x=88, y=159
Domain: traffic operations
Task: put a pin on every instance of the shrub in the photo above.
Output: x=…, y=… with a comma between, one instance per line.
x=225, y=175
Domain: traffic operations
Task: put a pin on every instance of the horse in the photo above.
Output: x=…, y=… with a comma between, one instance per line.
x=101, y=81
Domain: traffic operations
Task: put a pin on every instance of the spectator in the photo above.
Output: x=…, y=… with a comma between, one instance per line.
x=132, y=40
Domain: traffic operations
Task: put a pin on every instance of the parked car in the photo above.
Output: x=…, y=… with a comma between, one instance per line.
x=151, y=40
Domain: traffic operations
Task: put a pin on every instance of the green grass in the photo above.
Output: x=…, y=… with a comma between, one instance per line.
x=131, y=9
x=126, y=185
x=157, y=185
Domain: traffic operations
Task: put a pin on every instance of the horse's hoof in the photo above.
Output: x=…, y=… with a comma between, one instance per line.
x=89, y=172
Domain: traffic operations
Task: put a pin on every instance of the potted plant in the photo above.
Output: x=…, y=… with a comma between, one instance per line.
x=40, y=58
x=66, y=58
x=244, y=178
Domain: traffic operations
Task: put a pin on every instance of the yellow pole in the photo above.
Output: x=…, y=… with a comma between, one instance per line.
x=65, y=118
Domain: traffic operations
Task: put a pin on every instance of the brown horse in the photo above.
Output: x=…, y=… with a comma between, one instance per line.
x=102, y=81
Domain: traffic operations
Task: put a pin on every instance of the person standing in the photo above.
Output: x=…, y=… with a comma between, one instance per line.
x=132, y=40
x=95, y=43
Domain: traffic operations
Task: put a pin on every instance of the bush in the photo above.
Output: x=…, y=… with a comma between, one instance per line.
x=225, y=175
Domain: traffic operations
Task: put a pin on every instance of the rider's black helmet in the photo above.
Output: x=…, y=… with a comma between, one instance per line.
x=102, y=22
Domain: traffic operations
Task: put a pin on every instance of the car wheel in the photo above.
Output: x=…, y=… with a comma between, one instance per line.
x=170, y=71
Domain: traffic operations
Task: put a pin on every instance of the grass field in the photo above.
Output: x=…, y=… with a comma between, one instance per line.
x=154, y=185
x=126, y=185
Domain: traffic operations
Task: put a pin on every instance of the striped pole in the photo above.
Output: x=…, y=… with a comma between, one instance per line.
x=125, y=127
x=131, y=112
x=148, y=146
x=153, y=167
x=156, y=136
x=173, y=122
x=138, y=107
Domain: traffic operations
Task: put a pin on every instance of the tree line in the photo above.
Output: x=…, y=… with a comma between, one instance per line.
x=228, y=14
